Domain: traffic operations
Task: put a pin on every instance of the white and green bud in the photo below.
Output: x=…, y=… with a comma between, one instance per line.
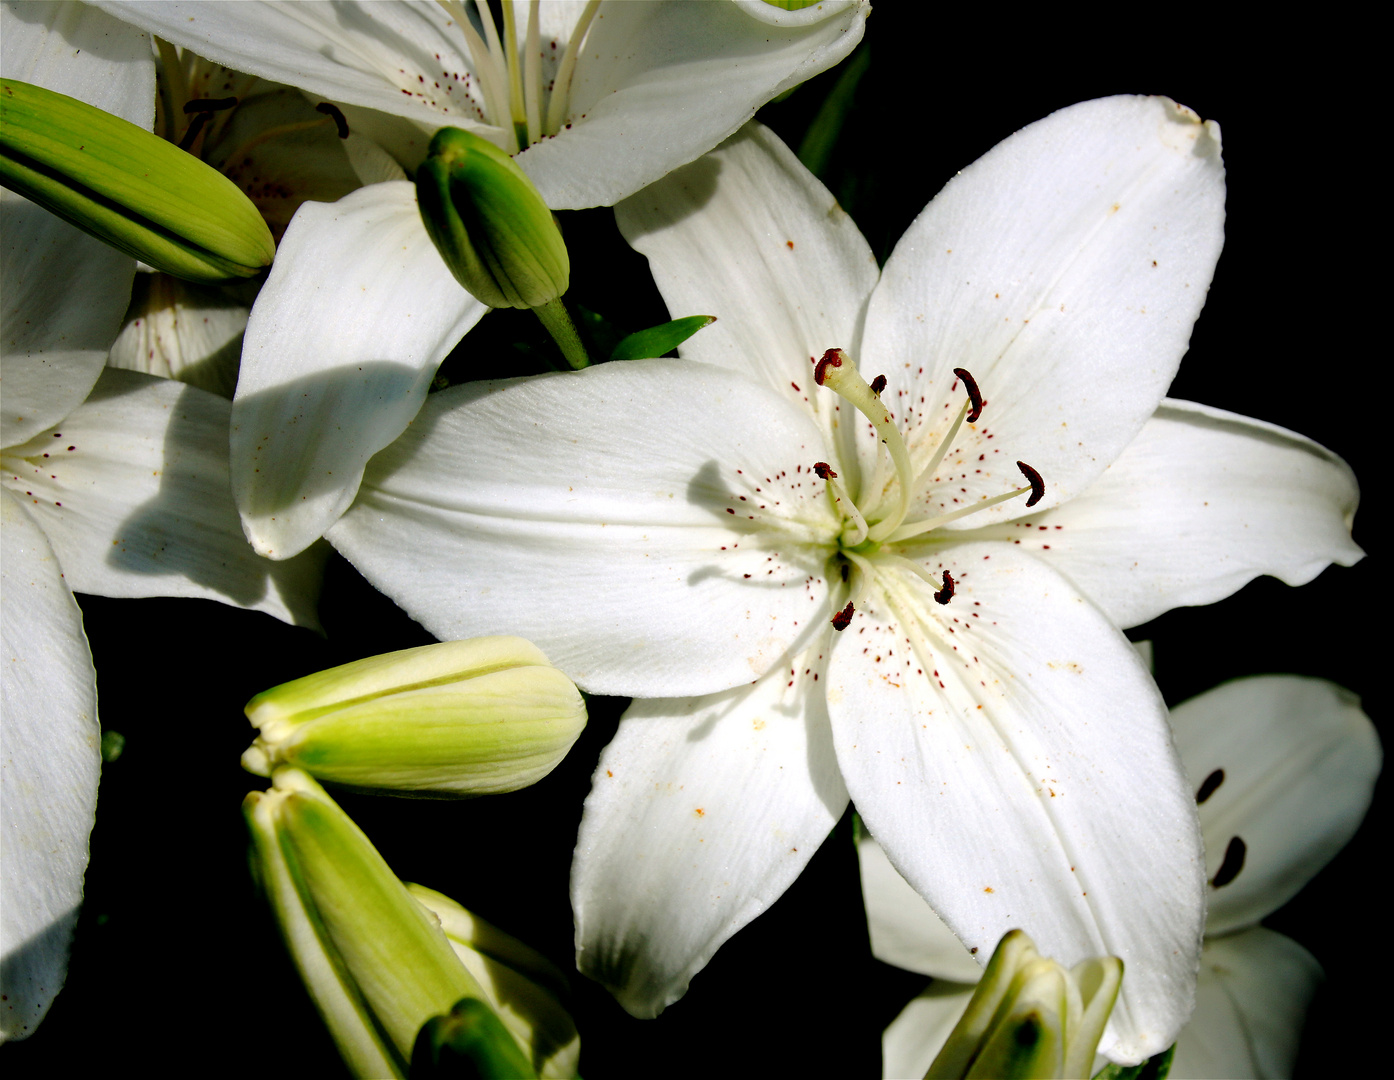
x=525, y=988
x=128, y=187
x=1030, y=1017
x=374, y=960
x=458, y=718
x=489, y=223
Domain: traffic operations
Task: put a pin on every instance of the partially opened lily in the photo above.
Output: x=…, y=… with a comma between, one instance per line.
x=684, y=531
x=360, y=310
x=111, y=483
x=1284, y=769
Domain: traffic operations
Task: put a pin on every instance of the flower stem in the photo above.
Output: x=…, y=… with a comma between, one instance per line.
x=557, y=320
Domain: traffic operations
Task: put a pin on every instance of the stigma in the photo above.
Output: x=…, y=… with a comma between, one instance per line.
x=877, y=524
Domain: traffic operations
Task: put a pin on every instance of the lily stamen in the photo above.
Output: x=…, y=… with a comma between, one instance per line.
x=1036, y=487
x=843, y=501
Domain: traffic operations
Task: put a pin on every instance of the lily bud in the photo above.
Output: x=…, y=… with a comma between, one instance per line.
x=128, y=187
x=373, y=959
x=489, y=223
x=526, y=988
x=1029, y=1017
x=474, y=717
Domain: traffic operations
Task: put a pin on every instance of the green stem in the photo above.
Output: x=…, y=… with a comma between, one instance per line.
x=558, y=322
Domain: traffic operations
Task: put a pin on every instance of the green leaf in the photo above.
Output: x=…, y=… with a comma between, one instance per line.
x=657, y=340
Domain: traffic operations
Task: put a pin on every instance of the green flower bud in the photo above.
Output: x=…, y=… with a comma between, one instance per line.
x=373, y=959
x=1029, y=1017
x=489, y=223
x=458, y=718
x=526, y=988
x=128, y=187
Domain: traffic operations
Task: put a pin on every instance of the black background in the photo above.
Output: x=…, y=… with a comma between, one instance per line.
x=176, y=967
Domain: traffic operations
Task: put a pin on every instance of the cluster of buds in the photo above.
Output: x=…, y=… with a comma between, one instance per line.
x=1030, y=1017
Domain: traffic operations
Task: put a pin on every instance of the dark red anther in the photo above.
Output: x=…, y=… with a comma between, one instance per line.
x=1232, y=863
x=339, y=122
x=824, y=470
x=878, y=384
x=1209, y=786
x=843, y=618
x=831, y=358
x=195, y=126
x=204, y=105
x=944, y=595
x=1034, y=479
x=975, y=396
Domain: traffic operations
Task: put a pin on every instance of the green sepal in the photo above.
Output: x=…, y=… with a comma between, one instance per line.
x=489, y=223
x=467, y=1042
x=657, y=340
x=128, y=187
x=1157, y=1067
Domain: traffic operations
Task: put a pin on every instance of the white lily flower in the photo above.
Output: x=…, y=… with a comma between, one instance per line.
x=119, y=488
x=359, y=309
x=665, y=533
x=1284, y=769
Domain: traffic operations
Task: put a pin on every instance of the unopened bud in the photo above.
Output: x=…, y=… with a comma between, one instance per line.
x=128, y=187
x=373, y=959
x=525, y=988
x=474, y=717
x=489, y=223
x=1030, y=1017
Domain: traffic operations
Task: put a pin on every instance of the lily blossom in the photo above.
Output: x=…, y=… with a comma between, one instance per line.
x=111, y=483
x=359, y=309
x=811, y=598
x=1284, y=769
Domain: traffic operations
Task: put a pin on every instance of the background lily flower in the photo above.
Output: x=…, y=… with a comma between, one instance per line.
x=666, y=534
x=359, y=309
x=118, y=488
x=1285, y=764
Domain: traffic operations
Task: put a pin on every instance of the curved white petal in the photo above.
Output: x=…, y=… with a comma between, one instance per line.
x=904, y=929
x=1200, y=503
x=132, y=489
x=49, y=766
x=342, y=343
x=64, y=292
x=652, y=526
x=1064, y=269
x=178, y=330
x=695, y=72
x=1251, y=1000
x=701, y=813
x=1011, y=754
x=914, y=1038
x=1299, y=761
x=749, y=235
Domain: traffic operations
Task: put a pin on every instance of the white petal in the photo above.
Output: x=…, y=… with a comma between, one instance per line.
x=178, y=330
x=1300, y=760
x=749, y=235
x=1012, y=756
x=652, y=525
x=701, y=813
x=1064, y=270
x=48, y=770
x=1250, y=1004
x=914, y=1038
x=344, y=338
x=1201, y=502
x=695, y=72
x=904, y=929
x=132, y=489
x=407, y=59
x=64, y=291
